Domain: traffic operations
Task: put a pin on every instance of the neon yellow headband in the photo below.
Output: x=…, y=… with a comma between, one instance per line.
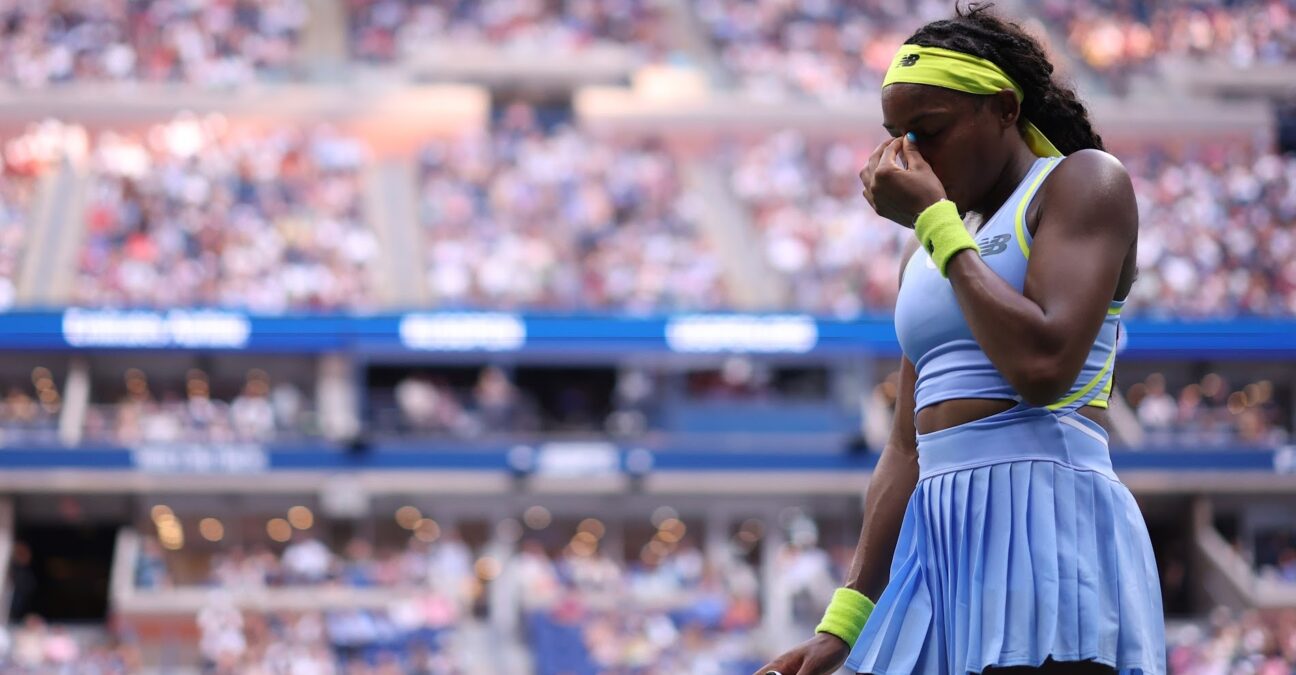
x=962, y=72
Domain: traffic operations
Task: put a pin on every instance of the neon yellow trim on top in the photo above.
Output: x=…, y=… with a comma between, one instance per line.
x=1101, y=400
x=1115, y=311
x=1111, y=358
x=1020, y=218
x=949, y=69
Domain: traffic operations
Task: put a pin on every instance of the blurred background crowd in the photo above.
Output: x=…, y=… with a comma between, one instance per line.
x=589, y=161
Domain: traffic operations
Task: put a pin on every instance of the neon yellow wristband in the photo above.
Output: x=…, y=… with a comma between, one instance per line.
x=846, y=615
x=941, y=232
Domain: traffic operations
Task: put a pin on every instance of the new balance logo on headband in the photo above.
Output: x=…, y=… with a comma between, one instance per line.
x=908, y=60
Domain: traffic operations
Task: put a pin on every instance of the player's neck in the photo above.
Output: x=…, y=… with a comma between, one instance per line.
x=1014, y=172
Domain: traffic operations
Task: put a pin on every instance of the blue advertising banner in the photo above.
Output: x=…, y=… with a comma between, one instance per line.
x=550, y=458
x=608, y=335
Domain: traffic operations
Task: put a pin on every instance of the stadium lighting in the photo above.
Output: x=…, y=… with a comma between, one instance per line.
x=301, y=517
x=160, y=512
x=408, y=517
x=594, y=526
x=211, y=529
x=427, y=530
x=537, y=517
x=487, y=568
x=279, y=529
x=662, y=514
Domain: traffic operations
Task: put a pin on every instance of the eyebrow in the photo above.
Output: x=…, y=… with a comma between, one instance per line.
x=915, y=118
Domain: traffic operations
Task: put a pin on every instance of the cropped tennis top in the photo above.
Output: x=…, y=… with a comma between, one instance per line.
x=936, y=338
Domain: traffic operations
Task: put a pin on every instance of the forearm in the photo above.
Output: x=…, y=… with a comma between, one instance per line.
x=889, y=490
x=1014, y=332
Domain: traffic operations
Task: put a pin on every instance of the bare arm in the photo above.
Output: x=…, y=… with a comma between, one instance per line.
x=890, y=487
x=888, y=494
x=889, y=490
x=1039, y=338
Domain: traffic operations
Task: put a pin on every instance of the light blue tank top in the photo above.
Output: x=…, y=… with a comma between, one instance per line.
x=935, y=337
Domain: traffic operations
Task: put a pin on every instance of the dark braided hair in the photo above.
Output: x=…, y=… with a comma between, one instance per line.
x=1053, y=107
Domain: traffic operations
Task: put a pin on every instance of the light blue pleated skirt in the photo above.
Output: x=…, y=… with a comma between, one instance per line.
x=1019, y=544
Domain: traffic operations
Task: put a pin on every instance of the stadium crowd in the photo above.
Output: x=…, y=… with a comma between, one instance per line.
x=555, y=218
x=1116, y=38
x=1234, y=643
x=413, y=637
x=446, y=565
x=671, y=611
x=426, y=404
x=259, y=412
x=37, y=648
x=837, y=256
x=198, y=212
x=216, y=44
x=30, y=411
x=547, y=217
x=781, y=49
x=1208, y=413
x=384, y=30
x=1214, y=236
x=772, y=48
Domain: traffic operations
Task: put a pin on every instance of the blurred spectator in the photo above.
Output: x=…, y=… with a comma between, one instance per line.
x=524, y=218
x=200, y=213
x=429, y=406
x=219, y=44
x=29, y=643
x=782, y=49
x=30, y=413
x=238, y=569
x=360, y=570
x=221, y=633
x=306, y=560
x=251, y=412
x=150, y=568
x=1156, y=410
x=450, y=567
x=60, y=649
x=495, y=399
x=383, y=30
x=23, y=583
x=536, y=576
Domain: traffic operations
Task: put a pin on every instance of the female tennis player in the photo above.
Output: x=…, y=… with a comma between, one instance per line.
x=1011, y=544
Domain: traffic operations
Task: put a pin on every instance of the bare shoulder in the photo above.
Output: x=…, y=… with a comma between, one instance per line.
x=1096, y=167
x=1091, y=187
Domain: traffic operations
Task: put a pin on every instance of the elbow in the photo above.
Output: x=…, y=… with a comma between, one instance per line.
x=1042, y=381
